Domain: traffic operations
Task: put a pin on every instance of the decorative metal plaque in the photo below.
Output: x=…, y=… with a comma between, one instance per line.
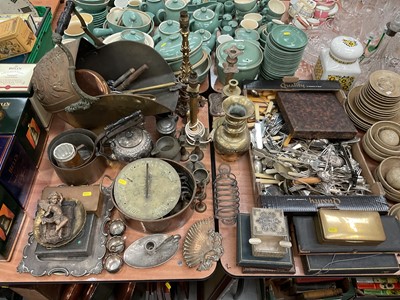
x=74, y=266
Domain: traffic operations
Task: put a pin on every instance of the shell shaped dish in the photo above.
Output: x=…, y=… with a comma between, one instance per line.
x=202, y=245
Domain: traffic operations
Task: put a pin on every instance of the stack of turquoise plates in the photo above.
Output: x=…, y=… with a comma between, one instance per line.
x=99, y=18
x=97, y=8
x=283, y=52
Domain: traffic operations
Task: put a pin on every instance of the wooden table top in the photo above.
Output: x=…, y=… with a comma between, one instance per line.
x=174, y=269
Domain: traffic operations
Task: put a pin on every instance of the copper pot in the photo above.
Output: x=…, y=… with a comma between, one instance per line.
x=93, y=167
x=168, y=223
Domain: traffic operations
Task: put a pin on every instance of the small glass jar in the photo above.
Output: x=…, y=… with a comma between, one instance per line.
x=340, y=61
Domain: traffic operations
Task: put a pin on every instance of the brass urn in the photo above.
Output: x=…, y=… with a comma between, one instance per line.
x=232, y=138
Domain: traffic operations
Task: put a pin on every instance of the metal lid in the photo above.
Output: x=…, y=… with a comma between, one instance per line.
x=130, y=138
x=166, y=125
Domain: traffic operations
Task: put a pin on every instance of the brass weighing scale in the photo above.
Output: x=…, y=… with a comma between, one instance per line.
x=147, y=189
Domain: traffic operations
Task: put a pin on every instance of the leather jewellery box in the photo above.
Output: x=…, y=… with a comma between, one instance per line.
x=349, y=227
x=308, y=244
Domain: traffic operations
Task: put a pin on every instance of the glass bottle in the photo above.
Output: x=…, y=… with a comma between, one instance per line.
x=380, y=57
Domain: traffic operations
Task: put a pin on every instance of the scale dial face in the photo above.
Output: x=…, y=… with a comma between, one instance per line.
x=147, y=189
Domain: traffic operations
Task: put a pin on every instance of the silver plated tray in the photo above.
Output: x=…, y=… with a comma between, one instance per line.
x=74, y=266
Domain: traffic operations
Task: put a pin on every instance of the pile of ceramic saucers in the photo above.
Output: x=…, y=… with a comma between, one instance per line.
x=388, y=174
x=283, y=52
x=382, y=140
x=378, y=99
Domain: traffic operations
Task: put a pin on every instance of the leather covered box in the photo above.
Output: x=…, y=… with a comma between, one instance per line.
x=17, y=170
x=349, y=227
x=308, y=244
x=350, y=264
x=20, y=119
x=11, y=219
x=245, y=258
x=315, y=115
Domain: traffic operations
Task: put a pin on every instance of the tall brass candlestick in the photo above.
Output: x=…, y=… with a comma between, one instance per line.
x=186, y=68
x=193, y=90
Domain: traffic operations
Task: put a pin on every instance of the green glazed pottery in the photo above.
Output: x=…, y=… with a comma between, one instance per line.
x=170, y=49
x=248, y=62
x=288, y=37
x=172, y=10
x=208, y=38
x=206, y=18
x=115, y=24
x=165, y=29
x=246, y=34
x=133, y=35
x=131, y=19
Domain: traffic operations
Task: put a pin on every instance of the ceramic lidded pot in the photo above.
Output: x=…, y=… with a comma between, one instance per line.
x=247, y=34
x=205, y=18
x=122, y=19
x=340, y=61
x=172, y=10
x=152, y=6
x=131, y=19
x=170, y=49
x=208, y=38
x=133, y=35
x=248, y=62
x=165, y=29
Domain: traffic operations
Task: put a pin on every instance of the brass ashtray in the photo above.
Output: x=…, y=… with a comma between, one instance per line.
x=58, y=220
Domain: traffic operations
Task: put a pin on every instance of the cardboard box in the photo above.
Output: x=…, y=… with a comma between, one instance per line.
x=17, y=170
x=16, y=78
x=90, y=195
x=15, y=38
x=11, y=218
x=296, y=204
x=21, y=120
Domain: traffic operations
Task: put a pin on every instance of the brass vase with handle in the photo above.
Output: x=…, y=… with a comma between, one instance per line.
x=232, y=138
